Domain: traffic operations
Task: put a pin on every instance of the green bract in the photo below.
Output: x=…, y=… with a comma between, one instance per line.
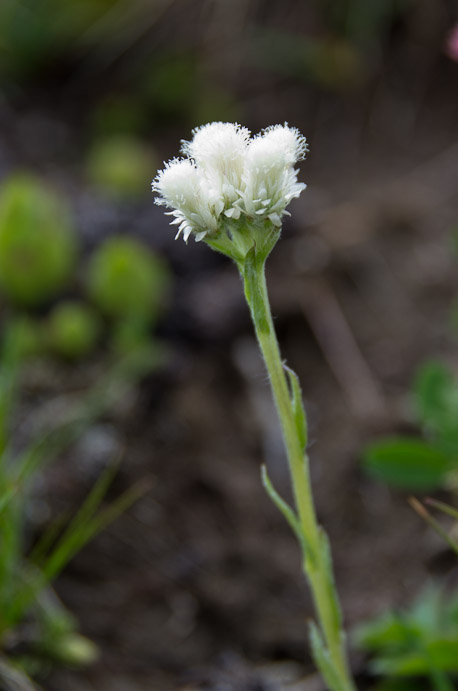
x=37, y=242
x=73, y=329
x=127, y=281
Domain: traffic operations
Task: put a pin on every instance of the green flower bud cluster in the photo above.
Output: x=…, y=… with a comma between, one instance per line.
x=125, y=284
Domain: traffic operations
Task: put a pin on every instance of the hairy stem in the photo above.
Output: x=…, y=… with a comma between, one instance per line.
x=316, y=556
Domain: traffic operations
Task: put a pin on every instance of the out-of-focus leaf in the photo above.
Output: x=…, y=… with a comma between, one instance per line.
x=388, y=631
x=432, y=386
x=441, y=654
x=427, y=610
x=407, y=463
x=323, y=660
x=419, y=642
x=298, y=407
x=436, y=402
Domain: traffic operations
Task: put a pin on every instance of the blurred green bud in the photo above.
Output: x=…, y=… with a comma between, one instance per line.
x=127, y=281
x=37, y=242
x=74, y=650
x=121, y=165
x=73, y=329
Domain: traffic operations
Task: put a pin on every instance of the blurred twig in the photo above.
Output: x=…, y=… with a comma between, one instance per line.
x=340, y=349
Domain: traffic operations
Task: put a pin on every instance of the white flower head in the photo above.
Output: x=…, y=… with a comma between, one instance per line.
x=228, y=178
x=219, y=150
x=195, y=207
x=270, y=179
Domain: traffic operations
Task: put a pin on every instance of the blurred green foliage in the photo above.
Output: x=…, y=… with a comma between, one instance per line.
x=406, y=463
x=127, y=281
x=35, y=33
x=26, y=574
x=37, y=241
x=428, y=463
x=56, y=639
x=419, y=642
x=331, y=62
x=127, y=335
x=72, y=329
x=28, y=335
x=122, y=166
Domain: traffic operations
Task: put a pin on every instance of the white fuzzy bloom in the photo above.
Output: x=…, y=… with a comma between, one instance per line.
x=219, y=149
x=196, y=207
x=270, y=180
x=228, y=176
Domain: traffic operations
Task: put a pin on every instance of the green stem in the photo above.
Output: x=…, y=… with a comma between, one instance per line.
x=317, y=564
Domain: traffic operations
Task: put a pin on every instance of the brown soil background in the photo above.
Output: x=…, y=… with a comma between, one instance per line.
x=199, y=585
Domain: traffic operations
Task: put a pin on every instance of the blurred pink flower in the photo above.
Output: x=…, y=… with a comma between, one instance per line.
x=451, y=44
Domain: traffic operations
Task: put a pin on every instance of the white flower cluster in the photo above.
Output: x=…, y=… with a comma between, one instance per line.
x=227, y=175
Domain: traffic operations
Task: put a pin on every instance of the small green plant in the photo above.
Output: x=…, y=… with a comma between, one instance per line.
x=419, y=642
x=72, y=329
x=37, y=241
x=231, y=192
x=431, y=461
x=26, y=575
x=128, y=282
x=120, y=164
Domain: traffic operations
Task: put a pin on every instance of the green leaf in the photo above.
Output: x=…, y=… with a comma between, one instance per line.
x=389, y=631
x=298, y=407
x=330, y=583
x=88, y=522
x=436, y=402
x=441, y=654
x=432, y=385
x=427, y=610
x=407, y=464
x=323, y=660
x=282, y=506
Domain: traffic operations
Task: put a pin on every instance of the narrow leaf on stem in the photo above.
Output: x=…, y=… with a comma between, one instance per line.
x=298, y=406
x=323, y=660
x=281, y=504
